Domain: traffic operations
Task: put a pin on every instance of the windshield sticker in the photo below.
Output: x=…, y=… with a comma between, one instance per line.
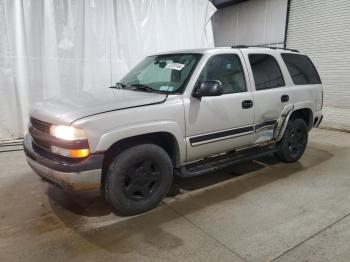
x=166, y=88
x=175, y=66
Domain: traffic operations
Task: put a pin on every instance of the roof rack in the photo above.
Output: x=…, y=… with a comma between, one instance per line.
x=265, y=46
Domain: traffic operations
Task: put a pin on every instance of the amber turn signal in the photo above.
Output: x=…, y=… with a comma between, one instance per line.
x=72, y=153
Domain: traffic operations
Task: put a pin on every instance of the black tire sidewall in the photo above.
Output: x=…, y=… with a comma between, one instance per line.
x=115, y=178
x=284, y=154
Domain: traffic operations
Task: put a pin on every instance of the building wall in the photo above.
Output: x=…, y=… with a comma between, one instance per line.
x=253, y=22
x=321, y=29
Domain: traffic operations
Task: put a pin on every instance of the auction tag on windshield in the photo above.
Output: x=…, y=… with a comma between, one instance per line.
x=175, y=66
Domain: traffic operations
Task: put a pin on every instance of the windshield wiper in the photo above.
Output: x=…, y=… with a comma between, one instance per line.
x=143, y=87
x=118, y=85
x=138, y=87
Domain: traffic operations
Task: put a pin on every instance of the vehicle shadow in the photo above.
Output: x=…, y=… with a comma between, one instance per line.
x=124, y=235
x=91, y=204
x=194, y=183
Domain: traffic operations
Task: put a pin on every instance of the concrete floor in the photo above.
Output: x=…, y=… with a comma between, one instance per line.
x=260, y=211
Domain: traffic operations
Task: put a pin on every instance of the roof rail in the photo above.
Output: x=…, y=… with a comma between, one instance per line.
x=265, y=46
x=239, y=46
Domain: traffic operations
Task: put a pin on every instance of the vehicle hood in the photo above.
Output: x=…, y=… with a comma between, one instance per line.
x=65, y=110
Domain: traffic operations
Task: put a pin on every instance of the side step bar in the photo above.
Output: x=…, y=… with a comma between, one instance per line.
x=215, y=163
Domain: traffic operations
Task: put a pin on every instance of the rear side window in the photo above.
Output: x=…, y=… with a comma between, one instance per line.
x=266, y=71
x=301, y=69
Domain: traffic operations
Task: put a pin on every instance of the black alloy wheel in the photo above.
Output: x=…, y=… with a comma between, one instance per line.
x=141, y=180
x=138, y=179
x=294, y=141
x=296, y=145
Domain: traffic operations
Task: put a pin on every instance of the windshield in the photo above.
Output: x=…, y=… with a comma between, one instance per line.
x=162, y=73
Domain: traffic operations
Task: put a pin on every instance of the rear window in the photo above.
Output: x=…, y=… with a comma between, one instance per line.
x=266, y=71
x=301, y=69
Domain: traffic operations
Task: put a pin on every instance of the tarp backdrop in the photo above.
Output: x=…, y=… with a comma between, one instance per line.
x=56, y=47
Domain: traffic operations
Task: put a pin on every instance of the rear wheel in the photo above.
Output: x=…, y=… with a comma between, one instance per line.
x=138, y=179
x=294, y=141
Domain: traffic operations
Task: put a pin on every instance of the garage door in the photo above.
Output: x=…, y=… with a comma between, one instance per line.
x=321, y=29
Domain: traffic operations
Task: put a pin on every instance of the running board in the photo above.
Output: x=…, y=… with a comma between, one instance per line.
x=216, y=163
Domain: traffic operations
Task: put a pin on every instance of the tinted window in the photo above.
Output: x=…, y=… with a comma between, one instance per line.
x=301, y=69
x=228, y=70
x=266, y=71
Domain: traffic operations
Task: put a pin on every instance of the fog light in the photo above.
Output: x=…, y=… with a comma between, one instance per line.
x=72, y=153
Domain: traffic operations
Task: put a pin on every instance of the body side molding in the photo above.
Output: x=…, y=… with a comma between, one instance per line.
x=230, y=133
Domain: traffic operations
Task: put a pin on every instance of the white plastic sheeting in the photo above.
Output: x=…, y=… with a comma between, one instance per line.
x=56, y=47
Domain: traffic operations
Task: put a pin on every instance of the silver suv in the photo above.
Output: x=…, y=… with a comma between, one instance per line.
x=183, y=113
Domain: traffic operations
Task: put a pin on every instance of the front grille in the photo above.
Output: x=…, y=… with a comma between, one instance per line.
x=41, y=143
x=39, y=149
x=38, y=140
x=40, y=125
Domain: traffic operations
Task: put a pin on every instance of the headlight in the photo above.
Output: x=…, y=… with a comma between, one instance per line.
x=67, y=133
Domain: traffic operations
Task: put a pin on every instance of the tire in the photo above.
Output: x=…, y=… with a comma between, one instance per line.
x=294, y=141
x=138, y=179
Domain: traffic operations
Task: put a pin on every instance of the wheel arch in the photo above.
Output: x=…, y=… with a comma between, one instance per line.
x=301, y=110
x=303, y=113
x=165, y=140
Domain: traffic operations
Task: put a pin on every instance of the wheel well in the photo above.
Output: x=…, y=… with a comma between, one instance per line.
x=165, y=140
x=305, y=114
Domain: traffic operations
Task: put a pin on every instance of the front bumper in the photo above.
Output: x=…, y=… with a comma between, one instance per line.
x=72, y=176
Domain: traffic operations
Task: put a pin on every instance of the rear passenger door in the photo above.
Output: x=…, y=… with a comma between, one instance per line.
x=270, y=93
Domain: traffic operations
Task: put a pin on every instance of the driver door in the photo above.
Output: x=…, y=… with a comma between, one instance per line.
x=219, y=124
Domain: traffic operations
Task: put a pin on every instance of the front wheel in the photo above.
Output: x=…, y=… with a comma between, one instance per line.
x=294, y=141
x=138, y=179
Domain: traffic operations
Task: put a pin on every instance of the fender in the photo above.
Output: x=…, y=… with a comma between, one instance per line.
x=285, y=116
x=144, y=128
x=305, y=104
x=282, y=122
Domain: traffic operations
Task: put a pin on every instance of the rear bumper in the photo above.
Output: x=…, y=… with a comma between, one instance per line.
x=72, y=176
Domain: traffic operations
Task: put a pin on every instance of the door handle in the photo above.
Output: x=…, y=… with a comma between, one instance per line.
x=284, y=98
x=247, y=104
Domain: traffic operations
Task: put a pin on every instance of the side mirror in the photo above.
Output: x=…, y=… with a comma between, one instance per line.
x=207, y=88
